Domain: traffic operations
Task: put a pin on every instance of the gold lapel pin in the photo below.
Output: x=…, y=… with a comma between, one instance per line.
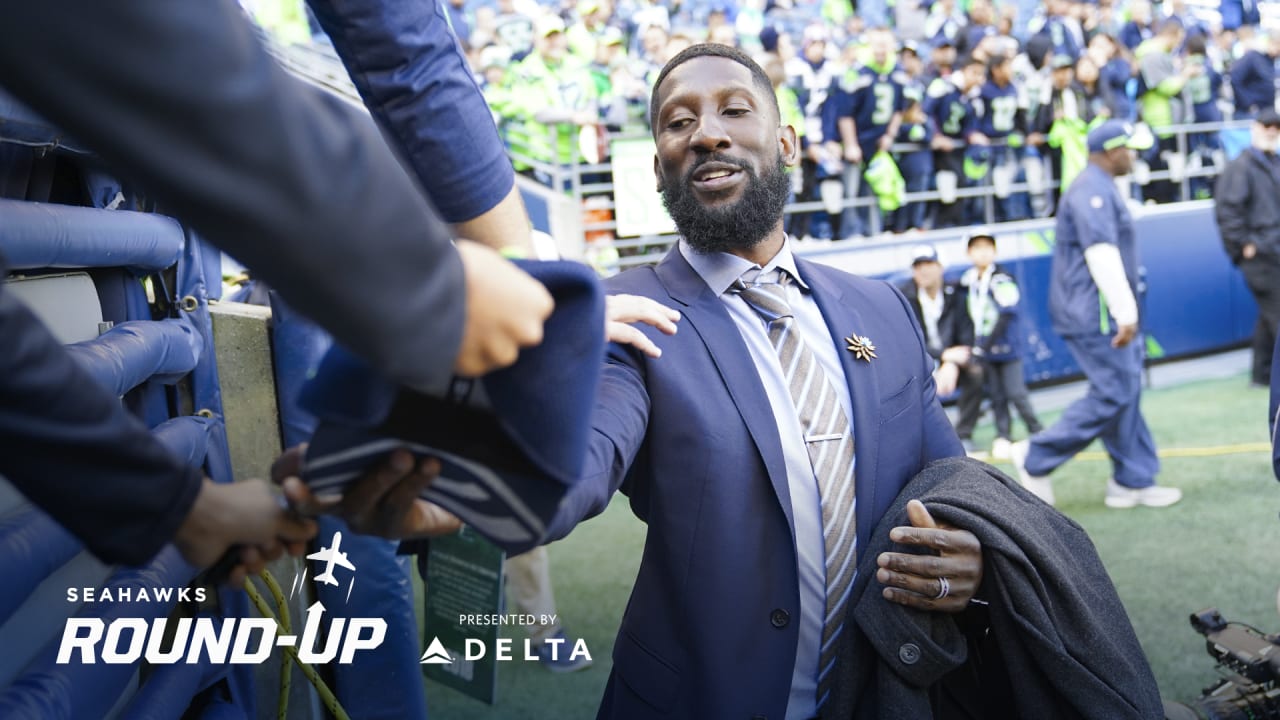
x=861, y=347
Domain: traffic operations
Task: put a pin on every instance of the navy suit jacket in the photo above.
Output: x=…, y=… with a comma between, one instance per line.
x=712, y=624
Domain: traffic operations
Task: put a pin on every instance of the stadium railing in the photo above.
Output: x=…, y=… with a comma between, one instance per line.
x=581, y=180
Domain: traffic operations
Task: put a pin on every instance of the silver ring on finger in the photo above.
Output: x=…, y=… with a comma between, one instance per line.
x=944, y=588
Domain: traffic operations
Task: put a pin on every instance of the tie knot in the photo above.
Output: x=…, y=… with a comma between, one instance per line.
x=766, y=294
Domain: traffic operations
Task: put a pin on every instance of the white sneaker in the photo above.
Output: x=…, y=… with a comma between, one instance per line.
x=1039, y=485
x=1000, y=448
x=1119, y=496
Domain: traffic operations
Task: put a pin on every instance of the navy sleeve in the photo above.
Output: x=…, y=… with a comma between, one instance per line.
x=619, y=425
x=295, y=183
x=413, y=76
x=70, y=447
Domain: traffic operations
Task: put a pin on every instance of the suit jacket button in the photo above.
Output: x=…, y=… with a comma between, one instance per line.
x=909, y=653
x=779, y=618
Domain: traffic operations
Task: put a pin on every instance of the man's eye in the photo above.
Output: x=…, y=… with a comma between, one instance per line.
x=736, y=111
x=678, y=123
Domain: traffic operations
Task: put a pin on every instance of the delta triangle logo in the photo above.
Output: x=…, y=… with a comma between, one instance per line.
x=435, y=654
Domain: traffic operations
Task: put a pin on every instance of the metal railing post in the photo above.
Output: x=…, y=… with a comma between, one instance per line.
x=1183, y=144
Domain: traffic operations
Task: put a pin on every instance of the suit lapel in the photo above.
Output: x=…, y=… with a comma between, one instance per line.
x=841, y=309
x=704, y=312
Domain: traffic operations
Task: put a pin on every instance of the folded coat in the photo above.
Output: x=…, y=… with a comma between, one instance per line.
x=1054, y=641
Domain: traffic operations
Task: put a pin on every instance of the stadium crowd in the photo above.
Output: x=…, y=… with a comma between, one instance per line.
x=946, y=95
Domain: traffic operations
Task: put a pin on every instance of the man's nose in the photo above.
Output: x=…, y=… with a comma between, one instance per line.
x=710, y=134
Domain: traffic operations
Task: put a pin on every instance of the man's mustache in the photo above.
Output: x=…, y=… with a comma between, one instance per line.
x=718, y=158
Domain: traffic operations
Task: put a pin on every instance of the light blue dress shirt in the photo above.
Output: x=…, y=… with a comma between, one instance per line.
x=719, y=271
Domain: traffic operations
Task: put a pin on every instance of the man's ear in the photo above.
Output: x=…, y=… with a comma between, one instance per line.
x=657, y=173
x=789, y=145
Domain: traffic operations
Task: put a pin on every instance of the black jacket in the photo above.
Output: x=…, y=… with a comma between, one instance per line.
x=1248, y=204
x=954, y=326
x=1055, y=642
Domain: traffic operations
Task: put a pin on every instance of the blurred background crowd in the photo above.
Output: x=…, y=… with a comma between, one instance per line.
x=894, y=99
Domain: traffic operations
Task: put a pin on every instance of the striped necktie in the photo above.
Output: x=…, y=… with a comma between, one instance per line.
x=829, y=440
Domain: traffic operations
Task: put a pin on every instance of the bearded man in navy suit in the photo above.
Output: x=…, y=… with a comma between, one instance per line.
x=752, y=533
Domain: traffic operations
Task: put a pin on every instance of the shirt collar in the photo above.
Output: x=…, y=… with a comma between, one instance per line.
x=923, y=296
x=719, y=270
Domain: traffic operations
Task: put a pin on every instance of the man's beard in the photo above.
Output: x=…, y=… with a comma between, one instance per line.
x=738, y=226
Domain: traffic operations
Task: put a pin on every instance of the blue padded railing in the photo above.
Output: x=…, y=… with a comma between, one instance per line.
x=134, y=359
x=131, y=353
x=49, y=690
x=38, y=235
x=32, y=546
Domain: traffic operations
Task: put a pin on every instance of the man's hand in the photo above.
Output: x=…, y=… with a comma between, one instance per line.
x=505, y=311
x=943, y=143
x=946, y=377
x=244, y=518
x=384, y=501
x=885, y=142
x=853, y=154
x=979, y=139
x=621, y=310
x=916, y=580
x=1124, y=335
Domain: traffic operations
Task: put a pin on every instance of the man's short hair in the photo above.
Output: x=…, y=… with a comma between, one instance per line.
x=758, y=75
x=1170, y=26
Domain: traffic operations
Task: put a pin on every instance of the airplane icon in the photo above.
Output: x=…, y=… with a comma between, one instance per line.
x=331, y=556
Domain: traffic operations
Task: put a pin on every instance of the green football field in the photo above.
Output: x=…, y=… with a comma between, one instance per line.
x=1216, y=548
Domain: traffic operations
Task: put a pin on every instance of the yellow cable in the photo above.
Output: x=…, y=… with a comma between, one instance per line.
x=286, y=674
x=322, y=689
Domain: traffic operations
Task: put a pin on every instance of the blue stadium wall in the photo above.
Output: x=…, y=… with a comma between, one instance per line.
x=1196, y=302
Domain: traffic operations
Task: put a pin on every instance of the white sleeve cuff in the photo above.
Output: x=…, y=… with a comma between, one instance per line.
x=1107, y=270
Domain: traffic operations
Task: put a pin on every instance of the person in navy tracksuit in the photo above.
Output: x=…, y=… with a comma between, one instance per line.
x=1093, y=303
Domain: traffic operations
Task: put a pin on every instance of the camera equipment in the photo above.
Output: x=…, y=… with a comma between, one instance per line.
x=1249, y=690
